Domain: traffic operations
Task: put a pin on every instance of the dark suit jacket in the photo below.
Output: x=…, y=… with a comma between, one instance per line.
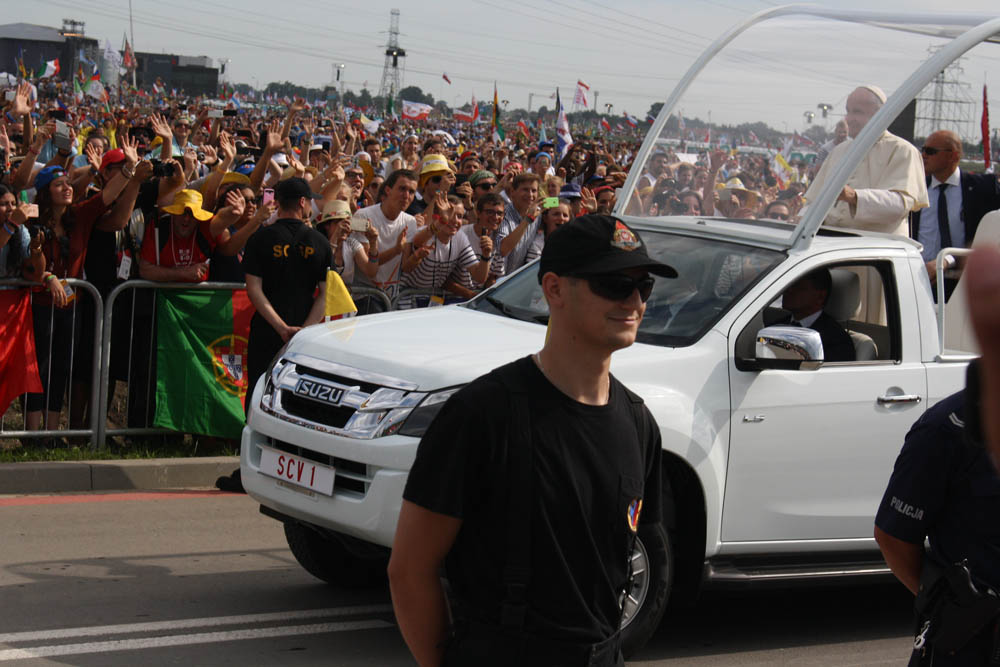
x=980, y=195
x=837, y=344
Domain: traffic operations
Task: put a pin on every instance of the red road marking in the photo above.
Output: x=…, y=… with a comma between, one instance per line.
x=112, y=497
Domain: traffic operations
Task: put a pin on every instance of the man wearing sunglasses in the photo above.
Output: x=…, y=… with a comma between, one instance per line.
x=552, y=467
x=958, y=201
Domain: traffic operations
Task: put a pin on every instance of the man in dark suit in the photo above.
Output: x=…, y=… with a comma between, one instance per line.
x=805, y=299
x=958, y=201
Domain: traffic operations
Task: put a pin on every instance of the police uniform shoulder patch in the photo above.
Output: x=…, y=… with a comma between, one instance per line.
x=624, y=238
x=634, y=510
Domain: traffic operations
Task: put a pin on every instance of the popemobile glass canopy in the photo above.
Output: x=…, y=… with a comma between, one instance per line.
x=772, y=90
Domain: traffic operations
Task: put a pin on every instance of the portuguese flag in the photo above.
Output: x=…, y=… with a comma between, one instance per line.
x=201, y=361
x=18, y=364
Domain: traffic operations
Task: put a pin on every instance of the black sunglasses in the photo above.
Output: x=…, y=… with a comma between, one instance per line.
x=486, y=186
x=930, y=150
x=435, y=179
x=618, y=286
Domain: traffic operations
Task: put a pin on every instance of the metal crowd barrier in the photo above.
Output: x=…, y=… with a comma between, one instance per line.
x=102, y=430
x=414, y=292
x=96, y=411
x=104, y=328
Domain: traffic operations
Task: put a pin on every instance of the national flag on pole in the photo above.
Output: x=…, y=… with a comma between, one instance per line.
x=18, y=363
x=680, y=122
x=605, y=124
x=20, y=64
x=783, y=171
x=563, y=138
x=96, y=90
x=201, y=361
x=542, y=136
x=416, y=110
x=498, y=133
x=581, y=94
x=445, y=77
x=128, y=58
x=468, y=117
x=523, y=127
x=77, y=91
x=51, y=69
x=619, y=126
x=985, y=126
x=631, y=120
x=753, y=138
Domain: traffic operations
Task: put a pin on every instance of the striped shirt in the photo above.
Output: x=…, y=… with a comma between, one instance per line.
x=511, y=219
x=433, y=271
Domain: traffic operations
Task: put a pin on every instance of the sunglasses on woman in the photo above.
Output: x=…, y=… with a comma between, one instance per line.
x=618, y=286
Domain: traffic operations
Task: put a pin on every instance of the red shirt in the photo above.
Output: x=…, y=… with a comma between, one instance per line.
x=176, y=251
x=85, y=216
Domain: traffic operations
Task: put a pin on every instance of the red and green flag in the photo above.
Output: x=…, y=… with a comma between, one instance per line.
x=201, y=361
x=18, y=363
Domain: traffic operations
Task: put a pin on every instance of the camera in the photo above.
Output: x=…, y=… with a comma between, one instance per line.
x=163, y=169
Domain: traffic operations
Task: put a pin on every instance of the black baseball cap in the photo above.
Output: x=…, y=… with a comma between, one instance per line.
x=596, y=244
x=293, y=188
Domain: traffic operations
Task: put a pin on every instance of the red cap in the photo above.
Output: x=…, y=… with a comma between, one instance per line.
x=112, y=157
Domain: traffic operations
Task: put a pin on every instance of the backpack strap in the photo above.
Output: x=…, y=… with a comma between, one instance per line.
x=519, y=454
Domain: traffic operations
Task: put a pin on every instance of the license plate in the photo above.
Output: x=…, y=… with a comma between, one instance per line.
x=296, y=470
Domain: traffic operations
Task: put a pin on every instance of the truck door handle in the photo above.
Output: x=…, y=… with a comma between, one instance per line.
x=755, y=419
x=899, y=398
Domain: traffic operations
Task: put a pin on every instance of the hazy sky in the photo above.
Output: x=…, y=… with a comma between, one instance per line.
x=631, y=51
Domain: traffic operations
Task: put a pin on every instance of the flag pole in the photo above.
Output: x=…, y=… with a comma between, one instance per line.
x=131, y=30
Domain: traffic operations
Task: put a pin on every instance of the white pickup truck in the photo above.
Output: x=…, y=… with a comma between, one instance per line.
x=776, y=460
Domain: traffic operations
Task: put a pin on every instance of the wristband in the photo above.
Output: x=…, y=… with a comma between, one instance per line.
x=10, y=230
x=128, y=173
x=486, y=258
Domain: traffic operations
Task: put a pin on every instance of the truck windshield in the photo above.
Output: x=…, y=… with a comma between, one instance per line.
x=711, y=277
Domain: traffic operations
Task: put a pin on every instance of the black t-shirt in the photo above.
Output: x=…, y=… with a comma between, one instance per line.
x=290, y=259
x=590, y=468
x=947, y=490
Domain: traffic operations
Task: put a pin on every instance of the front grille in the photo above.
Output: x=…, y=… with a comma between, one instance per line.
x=351, y=477
x=367, y=387
x=314, y=411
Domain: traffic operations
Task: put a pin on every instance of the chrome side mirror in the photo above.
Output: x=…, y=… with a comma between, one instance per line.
x=790, y=348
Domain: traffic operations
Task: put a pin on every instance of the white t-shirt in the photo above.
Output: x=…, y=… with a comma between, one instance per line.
x=387, y=278
x=348, y=249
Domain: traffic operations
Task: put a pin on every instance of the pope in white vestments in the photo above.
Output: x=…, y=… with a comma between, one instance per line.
x=879, y=195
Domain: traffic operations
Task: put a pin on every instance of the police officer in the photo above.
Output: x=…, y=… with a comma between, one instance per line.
x=945, y=488
x=532, y=481
x=284, y=262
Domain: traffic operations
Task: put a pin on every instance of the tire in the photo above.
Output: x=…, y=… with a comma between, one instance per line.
x=326, y=558
x=645, y=602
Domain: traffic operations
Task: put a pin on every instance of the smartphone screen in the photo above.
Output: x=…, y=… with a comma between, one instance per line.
x=550, y=202
x=268, y=197
x=359, y=224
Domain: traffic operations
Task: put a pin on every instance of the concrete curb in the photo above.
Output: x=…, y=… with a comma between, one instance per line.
x=117, y=475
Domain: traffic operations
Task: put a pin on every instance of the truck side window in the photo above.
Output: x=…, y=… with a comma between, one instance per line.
x=858, y=302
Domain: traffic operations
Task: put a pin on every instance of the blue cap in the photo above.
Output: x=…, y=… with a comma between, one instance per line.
x=543, y=154
x=545, y=143
x=571, y=191
x=246, y=168
x=47, y=175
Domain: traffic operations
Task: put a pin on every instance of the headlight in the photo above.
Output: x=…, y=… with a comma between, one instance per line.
x=422, y=415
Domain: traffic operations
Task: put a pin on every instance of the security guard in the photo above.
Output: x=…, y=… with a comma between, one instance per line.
x=285, y=262
x=944, y=488
x=533, y=480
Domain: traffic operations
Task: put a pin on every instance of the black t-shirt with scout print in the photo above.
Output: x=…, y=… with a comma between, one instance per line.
x=589, y=469
x=290, y=259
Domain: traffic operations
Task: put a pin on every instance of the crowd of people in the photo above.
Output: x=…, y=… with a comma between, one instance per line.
x=174, y=189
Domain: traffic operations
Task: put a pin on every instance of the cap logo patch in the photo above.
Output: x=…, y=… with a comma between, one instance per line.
x=624, y=238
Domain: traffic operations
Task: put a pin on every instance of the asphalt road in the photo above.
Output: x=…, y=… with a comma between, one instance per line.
x=203, y=579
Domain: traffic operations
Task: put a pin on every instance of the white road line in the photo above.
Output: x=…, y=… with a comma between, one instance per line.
x=186, y=640
x=186, y=623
